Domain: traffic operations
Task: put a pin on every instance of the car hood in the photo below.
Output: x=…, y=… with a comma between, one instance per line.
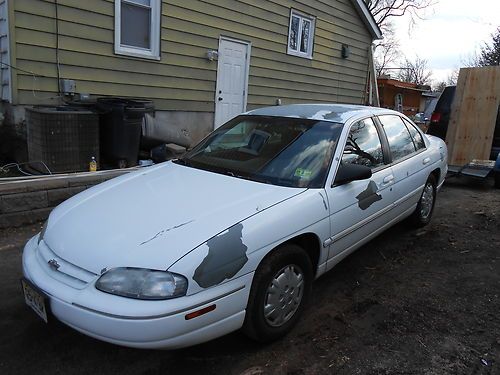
x=153, y=217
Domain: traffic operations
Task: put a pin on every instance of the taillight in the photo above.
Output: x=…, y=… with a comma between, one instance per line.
x=436, y=116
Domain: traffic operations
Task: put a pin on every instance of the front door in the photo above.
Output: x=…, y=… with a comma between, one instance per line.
x=232, y=80
x=360, y=208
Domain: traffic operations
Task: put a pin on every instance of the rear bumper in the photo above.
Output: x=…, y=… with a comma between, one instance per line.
x=141, y=324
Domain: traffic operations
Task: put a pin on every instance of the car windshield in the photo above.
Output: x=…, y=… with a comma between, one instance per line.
x=276, y=150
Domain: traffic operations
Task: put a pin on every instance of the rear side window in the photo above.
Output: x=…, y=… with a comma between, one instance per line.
x=363, y=145
x=415, y=135
x=400, y=141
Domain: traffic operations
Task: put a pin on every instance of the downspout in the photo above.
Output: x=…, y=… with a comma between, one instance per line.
x=58, y=67
x=373, y=99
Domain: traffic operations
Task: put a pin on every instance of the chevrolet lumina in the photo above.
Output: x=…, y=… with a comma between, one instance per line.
x=232, y=234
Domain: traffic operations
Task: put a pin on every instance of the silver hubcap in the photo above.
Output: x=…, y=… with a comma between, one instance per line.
x=426, y=201
x=283, y=295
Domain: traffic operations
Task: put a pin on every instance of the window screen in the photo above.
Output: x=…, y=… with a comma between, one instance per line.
x=136, y=25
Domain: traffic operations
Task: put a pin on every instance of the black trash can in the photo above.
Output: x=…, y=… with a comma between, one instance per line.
x=120, y=121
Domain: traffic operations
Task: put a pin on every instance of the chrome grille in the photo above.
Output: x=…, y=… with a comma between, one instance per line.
x=62, y=270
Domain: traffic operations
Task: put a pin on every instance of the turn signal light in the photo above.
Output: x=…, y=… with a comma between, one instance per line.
x=200, y=312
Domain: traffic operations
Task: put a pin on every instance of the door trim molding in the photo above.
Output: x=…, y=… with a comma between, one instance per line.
x=247, y=75
x=331, y=240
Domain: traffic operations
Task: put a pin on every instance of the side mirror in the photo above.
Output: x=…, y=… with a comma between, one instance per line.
x=351, y=172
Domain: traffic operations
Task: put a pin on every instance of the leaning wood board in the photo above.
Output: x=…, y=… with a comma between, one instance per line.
x=473, y=115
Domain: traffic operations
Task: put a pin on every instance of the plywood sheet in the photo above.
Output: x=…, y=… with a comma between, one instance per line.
x=473, y=115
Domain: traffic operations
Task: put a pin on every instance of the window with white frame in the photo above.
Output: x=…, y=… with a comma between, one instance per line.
x=137, y=28
x=300, y=35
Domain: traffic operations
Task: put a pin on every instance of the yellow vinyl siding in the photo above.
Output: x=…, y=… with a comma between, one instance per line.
x=184, y=79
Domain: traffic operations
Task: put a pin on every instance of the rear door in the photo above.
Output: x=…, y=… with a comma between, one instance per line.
x=409, y=161
x=360, y=208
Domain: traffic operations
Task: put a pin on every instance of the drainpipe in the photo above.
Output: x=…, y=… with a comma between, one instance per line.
x=58, y=66
x=373, y=98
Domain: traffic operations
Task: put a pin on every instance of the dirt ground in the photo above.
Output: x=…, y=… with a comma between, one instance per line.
x=410, y=302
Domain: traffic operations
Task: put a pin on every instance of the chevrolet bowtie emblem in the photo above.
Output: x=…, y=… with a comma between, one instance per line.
x=53, y=264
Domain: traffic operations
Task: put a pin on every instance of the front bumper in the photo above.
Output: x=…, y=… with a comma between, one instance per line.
x=141, y=324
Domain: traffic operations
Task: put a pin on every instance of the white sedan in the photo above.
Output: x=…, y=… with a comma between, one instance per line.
x=232, y=234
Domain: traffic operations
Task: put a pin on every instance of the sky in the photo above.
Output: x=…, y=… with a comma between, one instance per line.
x=449, y=33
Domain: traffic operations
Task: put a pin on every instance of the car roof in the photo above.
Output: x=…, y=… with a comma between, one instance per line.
x=326, y=112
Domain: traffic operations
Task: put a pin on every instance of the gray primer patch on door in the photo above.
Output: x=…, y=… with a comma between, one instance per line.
x=368, y=196
x=226, y=256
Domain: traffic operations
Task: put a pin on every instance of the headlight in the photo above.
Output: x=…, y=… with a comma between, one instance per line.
x=142, y=283
x=42, y=233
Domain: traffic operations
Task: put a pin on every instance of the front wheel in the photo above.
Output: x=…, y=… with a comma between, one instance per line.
x=280, y=289
x=425, y=207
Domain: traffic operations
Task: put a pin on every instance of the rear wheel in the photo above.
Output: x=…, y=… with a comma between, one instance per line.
x=280, y=289
x=425, y=207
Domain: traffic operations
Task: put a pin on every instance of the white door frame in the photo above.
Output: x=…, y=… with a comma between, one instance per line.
x=247, y=72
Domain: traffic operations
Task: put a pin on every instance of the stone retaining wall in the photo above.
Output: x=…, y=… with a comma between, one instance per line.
x=26, y=201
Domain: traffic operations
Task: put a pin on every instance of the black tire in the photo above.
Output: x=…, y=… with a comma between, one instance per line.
x=423, y=213
x=257, y=325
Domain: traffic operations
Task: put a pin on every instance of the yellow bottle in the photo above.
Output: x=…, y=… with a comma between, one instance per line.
x=93, y=165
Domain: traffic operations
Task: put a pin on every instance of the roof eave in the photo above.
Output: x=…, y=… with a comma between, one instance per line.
x=368, y=19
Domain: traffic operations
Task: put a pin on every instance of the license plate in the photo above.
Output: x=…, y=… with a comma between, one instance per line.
x=35, y=299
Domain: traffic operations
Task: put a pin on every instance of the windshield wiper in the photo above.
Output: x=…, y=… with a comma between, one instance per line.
x=182, y=161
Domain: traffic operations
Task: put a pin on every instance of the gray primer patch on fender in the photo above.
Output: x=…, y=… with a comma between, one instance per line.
x=368, y=196
x=226, y=256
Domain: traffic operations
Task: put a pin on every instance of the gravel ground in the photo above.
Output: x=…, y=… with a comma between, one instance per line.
x=412, y=301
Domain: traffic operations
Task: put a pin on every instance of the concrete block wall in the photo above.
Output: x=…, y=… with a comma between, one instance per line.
x=27, y=201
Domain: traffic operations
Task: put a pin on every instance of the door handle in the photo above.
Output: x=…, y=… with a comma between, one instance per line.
x=388, y=179
x=219, y=99
x=426, y=160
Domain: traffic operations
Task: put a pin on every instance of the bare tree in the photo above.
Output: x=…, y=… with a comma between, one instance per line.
x=487, y=55
x=440, y=86
x=471, y=60
x=384, y=10
x=415, y=72
x=490, y=53
x=451, y=80
x=386, y=51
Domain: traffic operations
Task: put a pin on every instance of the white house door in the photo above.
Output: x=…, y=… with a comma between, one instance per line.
x=232, y=80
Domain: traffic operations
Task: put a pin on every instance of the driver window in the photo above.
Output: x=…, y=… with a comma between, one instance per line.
x=363, y=145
